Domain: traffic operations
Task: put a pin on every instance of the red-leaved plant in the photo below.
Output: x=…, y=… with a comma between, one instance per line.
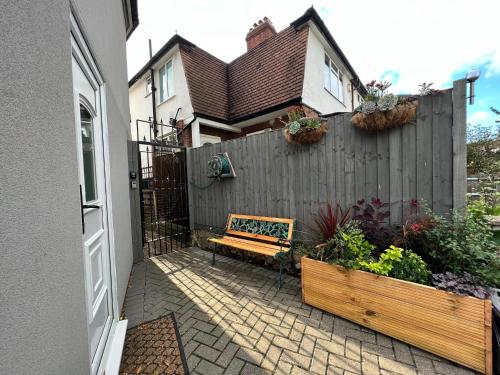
x=330, y=220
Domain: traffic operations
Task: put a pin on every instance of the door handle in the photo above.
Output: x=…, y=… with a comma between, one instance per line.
x=83, y=207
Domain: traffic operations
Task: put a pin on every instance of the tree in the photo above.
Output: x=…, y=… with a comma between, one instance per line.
x=483, y=148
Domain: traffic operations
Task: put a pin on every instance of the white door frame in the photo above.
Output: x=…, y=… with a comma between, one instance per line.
x=81, y=52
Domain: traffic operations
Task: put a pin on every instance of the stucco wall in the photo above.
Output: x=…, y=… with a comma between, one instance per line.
x=42, y=295
x=314, y=93
x=42, y=304
x=140, y=104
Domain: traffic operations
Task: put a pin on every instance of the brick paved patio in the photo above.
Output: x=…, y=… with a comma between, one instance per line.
x=233, y=320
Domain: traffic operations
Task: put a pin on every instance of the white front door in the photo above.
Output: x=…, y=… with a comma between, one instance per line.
x=91, y=160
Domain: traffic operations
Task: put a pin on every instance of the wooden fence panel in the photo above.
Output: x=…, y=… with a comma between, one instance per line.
x=420, y=160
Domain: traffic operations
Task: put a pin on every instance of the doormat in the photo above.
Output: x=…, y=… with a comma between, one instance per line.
x=154, y=348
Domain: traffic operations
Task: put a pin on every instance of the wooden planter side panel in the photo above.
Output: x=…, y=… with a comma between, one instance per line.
x=454, y=327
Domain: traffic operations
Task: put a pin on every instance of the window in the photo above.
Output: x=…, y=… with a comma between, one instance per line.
x=87, y=129
x=166, y=81
x=149, y=87
x=334, y=79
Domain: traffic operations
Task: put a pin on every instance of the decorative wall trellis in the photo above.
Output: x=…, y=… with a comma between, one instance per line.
x=425, y=159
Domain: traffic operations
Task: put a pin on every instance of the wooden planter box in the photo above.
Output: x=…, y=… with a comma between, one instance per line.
x=448, y=325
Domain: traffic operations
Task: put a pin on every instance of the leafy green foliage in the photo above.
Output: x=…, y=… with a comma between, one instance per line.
x=412, y=268
x=349, y=247
x=483, y=149
x=294, y=127
x=462, y=244
x=386, y=262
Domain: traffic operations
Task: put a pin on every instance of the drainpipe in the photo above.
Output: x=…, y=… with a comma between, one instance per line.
x=153, y=91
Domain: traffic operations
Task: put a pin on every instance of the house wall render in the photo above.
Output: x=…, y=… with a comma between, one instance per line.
x=42, y=298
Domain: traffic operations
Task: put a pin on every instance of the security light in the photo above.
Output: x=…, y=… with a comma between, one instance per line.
x=471, y=77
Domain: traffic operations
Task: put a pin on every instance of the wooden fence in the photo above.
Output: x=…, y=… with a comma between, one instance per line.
x=425, y=159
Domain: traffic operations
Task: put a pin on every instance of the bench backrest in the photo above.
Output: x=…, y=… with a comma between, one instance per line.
x=263, y=228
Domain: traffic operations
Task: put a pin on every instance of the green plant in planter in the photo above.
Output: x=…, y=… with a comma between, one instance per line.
x=412, y=268
x=386, y=262
x=294, y=127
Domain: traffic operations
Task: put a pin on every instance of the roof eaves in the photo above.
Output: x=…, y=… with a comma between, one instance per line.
x=312, y=15
x=172, y=42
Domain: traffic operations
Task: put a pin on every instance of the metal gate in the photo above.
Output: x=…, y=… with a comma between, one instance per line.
x=163, y=189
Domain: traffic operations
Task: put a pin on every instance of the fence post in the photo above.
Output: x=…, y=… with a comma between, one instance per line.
x=135, y=204
x=459, y=144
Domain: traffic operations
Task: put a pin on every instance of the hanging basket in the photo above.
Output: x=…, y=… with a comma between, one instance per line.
x=305, y=135
x=381, y=120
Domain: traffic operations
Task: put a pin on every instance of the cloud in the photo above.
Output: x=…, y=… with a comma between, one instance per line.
x=478, y=117
x=421, y=41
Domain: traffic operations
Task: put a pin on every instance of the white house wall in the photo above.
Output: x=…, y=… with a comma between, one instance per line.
x=140, y=104
x=42, y=298
x=314, y=93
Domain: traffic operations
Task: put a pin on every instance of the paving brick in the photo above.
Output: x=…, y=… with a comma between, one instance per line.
x=394, y=366
x=424, y=366
x=352, y=349
x=369, y=364
x=227, y=355
x=335, y=346
x=307, y=345
x=250, y=369
x=319, y=361
x=402, y=352
x=296, y=358
x=207, y=353
x=234, y=367
x=446, y=368
x=249, y=355
x=205, y=367
x=205, y=338
x=344, y=363
x=285, y=343
x=318, y=333
x=271, y=358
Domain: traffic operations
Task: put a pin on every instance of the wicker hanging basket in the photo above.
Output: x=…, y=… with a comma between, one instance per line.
x=381, y=120
x=305, y=135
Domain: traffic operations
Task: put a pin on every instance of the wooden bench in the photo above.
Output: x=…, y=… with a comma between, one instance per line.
x=270, y=236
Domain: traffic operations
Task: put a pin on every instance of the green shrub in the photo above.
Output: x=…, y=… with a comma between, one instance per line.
x=412, y=268
x=386, y=262
x=462, y=244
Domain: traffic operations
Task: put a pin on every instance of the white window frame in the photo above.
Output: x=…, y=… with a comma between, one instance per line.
x=164, y=90
x=148, y=85
x=336, y=76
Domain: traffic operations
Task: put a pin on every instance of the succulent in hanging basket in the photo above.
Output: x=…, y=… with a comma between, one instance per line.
x=301, y=129
x=382, y=110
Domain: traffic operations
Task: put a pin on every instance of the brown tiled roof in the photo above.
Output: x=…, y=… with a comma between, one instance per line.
x=269, y=74
x=206, y=76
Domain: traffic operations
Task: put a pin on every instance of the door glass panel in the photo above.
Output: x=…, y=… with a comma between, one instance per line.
x=88, y=151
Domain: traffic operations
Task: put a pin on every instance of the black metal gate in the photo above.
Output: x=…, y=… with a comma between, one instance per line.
x=163, y=189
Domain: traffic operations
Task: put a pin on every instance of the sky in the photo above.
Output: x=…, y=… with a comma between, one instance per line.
x=405, y=42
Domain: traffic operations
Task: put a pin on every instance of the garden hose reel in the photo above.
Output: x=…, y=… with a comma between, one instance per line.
x=219, y=166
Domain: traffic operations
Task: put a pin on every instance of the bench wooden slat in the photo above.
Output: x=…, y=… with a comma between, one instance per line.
x=255, y=248
x=285, y=247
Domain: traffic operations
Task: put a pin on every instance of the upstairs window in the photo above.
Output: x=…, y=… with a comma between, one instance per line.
x=334, y=79
x=149, y=87
x=166, y=81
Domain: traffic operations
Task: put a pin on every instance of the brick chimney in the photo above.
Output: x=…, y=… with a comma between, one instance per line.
x=260, y=32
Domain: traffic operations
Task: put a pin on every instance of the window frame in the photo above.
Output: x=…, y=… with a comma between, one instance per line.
x=148, y=85
x=333, y=72
x=162, y=99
